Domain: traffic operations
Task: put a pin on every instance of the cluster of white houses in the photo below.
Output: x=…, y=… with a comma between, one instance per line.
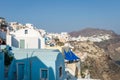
x=22, y=36
x=94, y=38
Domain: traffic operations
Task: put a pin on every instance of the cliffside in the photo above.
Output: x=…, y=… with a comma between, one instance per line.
x=98, y=62
x=112, y=48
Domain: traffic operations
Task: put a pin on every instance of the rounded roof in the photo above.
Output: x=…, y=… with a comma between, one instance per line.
x=46, y=55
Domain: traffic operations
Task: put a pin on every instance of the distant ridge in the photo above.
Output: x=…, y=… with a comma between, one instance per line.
x=87, y=32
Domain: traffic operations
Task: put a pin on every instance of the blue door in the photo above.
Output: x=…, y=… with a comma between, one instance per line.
x=20, y=72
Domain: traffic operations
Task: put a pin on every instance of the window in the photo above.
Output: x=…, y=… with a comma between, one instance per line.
x=44, y=74
x=60, y=71
x=26, y=31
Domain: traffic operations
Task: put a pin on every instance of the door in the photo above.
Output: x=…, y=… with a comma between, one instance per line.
x=20, y=71
x=39, y=43
x=22, y=44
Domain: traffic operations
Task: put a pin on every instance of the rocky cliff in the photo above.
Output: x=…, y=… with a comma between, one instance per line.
x=98, y=62
x=111, y=47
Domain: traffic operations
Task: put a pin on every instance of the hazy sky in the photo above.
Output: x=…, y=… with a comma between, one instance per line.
x=63, y=15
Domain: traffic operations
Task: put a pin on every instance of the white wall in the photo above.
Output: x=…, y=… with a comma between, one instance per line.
x=42, y=43
x=8, y=40
x=31, y=39
x=30, y=42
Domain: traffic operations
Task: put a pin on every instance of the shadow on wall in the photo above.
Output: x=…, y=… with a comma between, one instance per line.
x=32, y=70
x=69, y=76
x=15, y=42
x=60, y=75
x=37, y=66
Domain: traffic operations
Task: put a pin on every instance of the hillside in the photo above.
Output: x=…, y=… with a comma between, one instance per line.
x=92, y=31
x=98, y=62
x=112, y=48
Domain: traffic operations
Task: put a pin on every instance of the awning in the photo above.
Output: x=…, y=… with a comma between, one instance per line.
x=70, y=56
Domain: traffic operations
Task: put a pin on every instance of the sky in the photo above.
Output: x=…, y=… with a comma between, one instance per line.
x=63, y=15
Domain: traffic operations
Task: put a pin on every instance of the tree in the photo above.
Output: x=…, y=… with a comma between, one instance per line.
x=7, y=58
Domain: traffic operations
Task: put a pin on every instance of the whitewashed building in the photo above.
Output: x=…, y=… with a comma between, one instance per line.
x=63, y=36
x=42, y=32
x=25, y=38
x=28, y=25
x=14, y=26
